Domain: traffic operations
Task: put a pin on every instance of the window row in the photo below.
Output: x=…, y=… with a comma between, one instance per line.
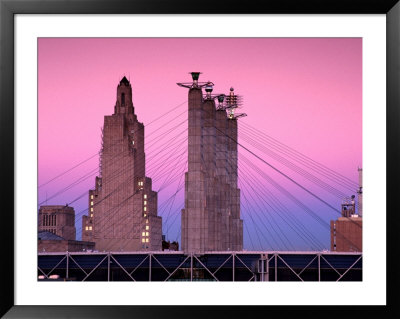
x=49, y=220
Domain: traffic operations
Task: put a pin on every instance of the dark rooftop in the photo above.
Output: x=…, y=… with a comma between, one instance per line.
x=46, y=235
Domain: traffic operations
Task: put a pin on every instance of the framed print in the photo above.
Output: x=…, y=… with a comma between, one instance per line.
x=55, y=94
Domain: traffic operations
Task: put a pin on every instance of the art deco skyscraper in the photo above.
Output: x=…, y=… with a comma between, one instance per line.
x=122, y=206
x=211, y=217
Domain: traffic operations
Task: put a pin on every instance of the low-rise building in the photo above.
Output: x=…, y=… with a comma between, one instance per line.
x=59, y=220
x=49, y=242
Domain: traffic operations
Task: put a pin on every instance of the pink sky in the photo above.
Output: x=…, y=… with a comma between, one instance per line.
x=305, y=92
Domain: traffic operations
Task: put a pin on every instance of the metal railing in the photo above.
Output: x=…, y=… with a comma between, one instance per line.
x=211, y=266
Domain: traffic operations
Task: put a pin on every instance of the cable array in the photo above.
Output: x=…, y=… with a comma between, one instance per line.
x=266, y=215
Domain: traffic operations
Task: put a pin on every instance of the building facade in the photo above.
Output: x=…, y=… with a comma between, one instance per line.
x=346, y=231
x=210, y=220
x=122, y=213
x=58, y=219
x=49, y=242
x=346, y=234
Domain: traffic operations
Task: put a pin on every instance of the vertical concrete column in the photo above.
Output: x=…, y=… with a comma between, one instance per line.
x=222, y=163
x=236, y=225
x=232, y=154
x=210, y=225
x=193, y=237
x=233, y=151
x=195, y=123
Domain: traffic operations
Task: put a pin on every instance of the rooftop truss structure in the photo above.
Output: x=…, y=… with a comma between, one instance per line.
x=212, y=266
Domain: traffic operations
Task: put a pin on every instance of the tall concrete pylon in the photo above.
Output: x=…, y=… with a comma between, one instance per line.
x=211, y=217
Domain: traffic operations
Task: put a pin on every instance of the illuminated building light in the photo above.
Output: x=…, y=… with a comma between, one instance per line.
x=147, y=227
x=145, y=202
x=143, y=234
x=91, y=203
x=91, y=209
x=147, y=240
x=145, y=208
x=91, y=196
x=86, y=228
x=147, y=233
x=144, y=196
x=90, y=227
x=143, y=240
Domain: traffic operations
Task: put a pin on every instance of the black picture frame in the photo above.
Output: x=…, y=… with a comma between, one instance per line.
x=8, y=10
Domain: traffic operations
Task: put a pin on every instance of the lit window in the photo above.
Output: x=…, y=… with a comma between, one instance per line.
x=147, y=227
x=145, y=208
x=147, y=240
x=145, y=202
x=147, y=221
x=144, y=215
x=143, y=240
x=91, y=196
x=143, y=233
x=147, y=233
x=145, y=196
x=91, y=209
x=91, y=203
x=91, y=215
x=86, y=228
x=90, y=228
x=133, y=142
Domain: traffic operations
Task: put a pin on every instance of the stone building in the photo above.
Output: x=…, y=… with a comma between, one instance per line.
x=57, y=219
x=122, y=212
x=49, y=242
x=346, y=231
x=346, y=234
x=210, y=220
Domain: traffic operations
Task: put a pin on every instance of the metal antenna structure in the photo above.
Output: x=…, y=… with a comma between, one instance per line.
x=195, y=83
x=232, y=102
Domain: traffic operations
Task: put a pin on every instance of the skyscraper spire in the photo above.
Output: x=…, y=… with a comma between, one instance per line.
x=123, y=206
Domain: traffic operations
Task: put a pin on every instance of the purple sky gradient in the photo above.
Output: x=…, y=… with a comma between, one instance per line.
x=304, y=92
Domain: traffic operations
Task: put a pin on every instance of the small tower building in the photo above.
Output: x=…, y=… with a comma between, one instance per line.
x=346, y=231
x=58, y=219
